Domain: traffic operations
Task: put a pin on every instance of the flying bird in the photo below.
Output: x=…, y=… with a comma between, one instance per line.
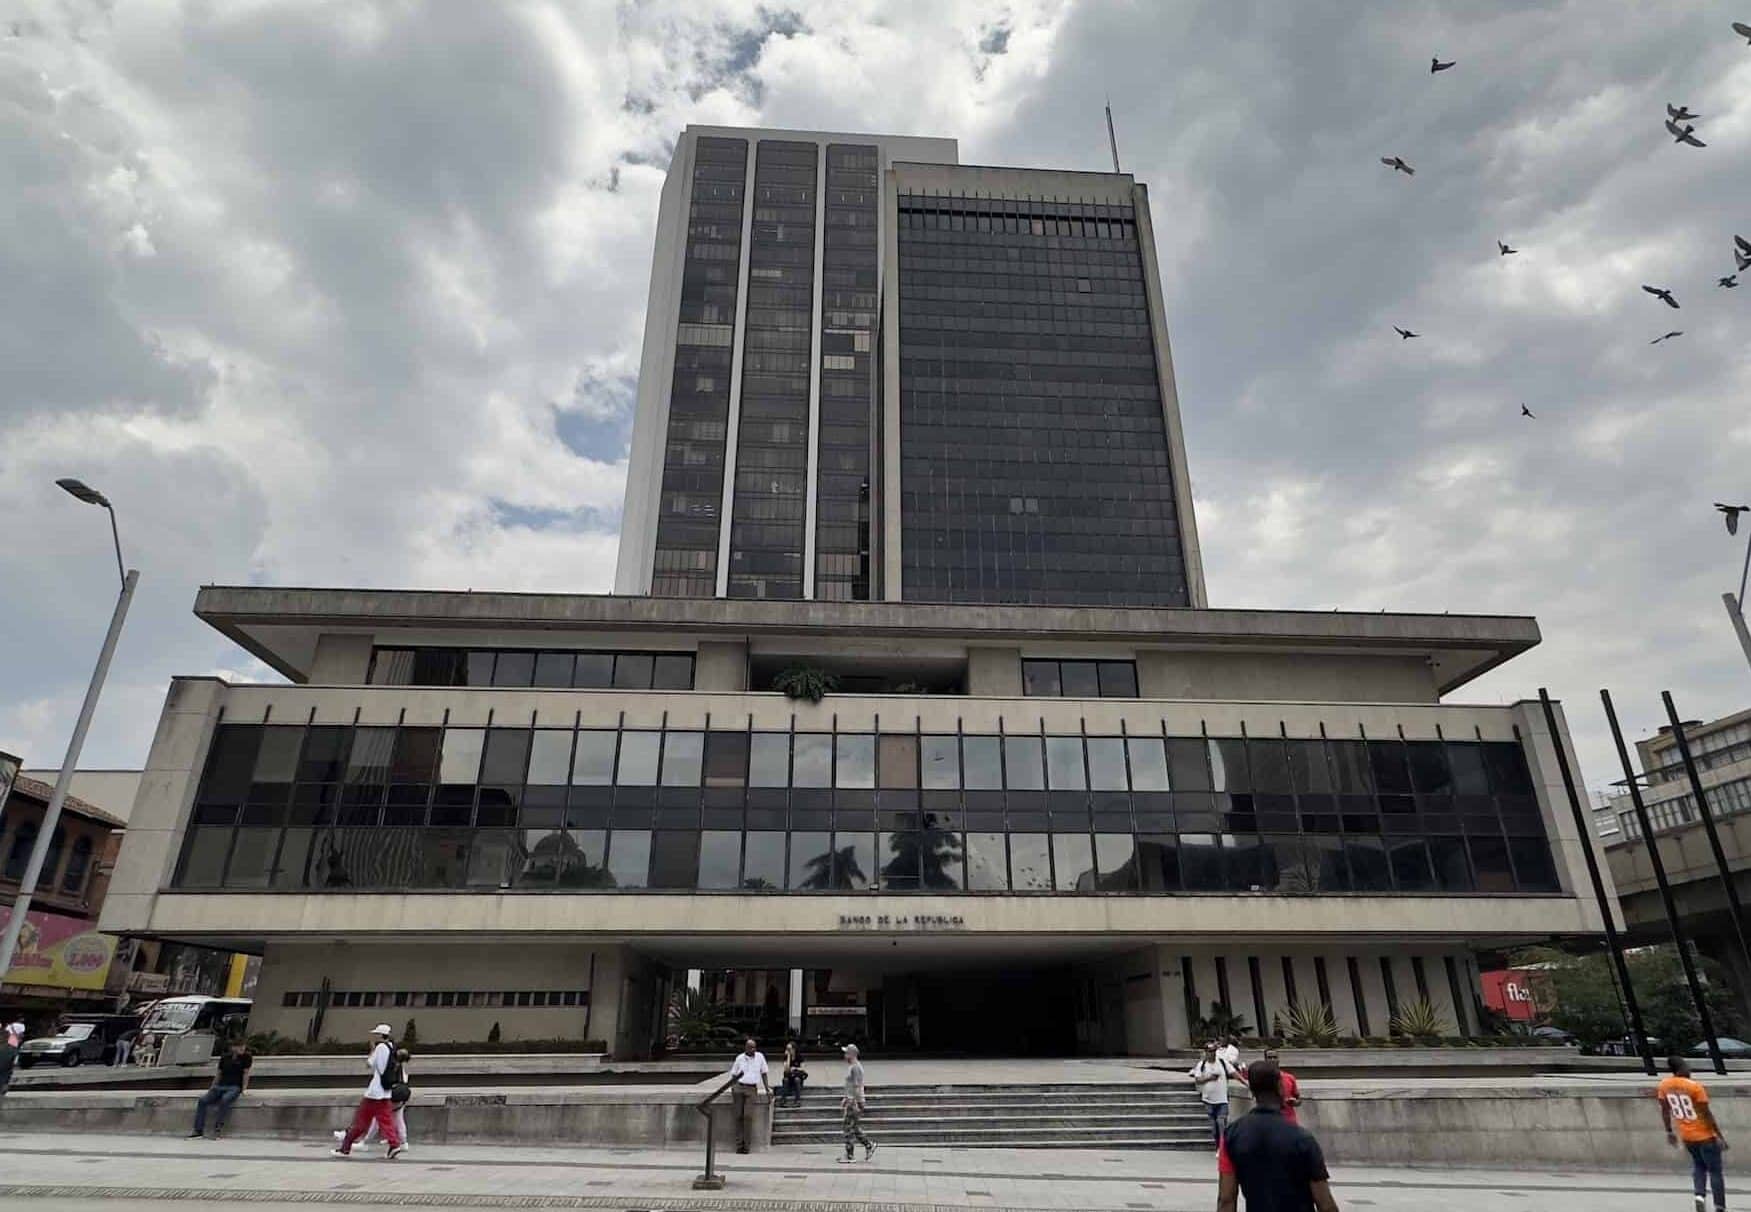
x=1506, y=251
x=1744, y=245
x=1743, y=262
x=1682, y=134
x=1732, y=512
x=1405, y=334
x=1681, y=114
x=1435, y=65
x=1667, y=337
x=1730, y=281
x=1398, y=165
x=1743, y=30
x=1527, y=412
x=1662, y=294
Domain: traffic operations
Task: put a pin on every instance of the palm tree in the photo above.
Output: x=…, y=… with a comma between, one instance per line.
x=835, y=869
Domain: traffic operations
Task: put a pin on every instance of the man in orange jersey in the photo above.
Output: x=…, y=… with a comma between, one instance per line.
x=1685, y=1111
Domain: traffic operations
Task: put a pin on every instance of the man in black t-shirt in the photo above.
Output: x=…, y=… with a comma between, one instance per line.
x=1274, y=1163
x=228, y=1086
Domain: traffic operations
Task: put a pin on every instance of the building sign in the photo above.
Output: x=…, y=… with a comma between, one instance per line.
x=836, y=1011
x=915, y=922
x=1519, y=994
x=61, y=951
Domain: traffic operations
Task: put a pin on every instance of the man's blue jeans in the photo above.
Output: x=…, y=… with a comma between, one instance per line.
x=223, y=1097
x=1705, y=1164
x=1218, y=1119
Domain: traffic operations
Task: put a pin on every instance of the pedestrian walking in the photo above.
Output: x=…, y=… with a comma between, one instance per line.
x=1277, y=1165
x=1287, y=1086
x=377, y=1104
x=750, y=1074
x=229, y=1083
x=1210, y=1076
x=399, y=1095
x=1230, y=1054
x=1685, y=1111
x=851, y=1107
x=15, y=1032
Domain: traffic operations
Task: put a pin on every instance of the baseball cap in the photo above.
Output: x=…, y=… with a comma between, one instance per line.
x=849, y=1049
x=382, y=1029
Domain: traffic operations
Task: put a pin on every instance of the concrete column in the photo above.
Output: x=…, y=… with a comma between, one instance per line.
x=341, y=660
x=794, y=1017
x=994, y=672
x=1175, y=1029
x=721, y=666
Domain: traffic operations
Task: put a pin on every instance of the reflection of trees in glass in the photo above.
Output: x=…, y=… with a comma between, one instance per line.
x=756, y=883
x=930, y=858
x=834, y=869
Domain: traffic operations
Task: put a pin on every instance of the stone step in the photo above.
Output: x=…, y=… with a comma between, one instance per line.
x=1019, y=1137
x=953, y=1106
x=924, y=1115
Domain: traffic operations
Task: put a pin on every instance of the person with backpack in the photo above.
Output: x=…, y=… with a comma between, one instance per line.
x=399, y=1095
x=1211, y=1076
x=378, y=1104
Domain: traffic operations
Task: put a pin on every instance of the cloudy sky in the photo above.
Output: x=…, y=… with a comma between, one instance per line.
x=352, y=294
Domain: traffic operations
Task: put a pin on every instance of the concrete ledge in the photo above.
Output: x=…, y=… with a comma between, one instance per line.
x=608, y=1115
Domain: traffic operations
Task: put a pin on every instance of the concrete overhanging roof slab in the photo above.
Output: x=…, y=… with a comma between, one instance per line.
x=280, y=625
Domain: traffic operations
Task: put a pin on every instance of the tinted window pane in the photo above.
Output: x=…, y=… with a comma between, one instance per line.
x=854, y=859
x=1307, y=766
x=1079, y=679
x=1073, y=855
x=987, y=863
x=720, y=859
x=1118, y=680
x=633, y=671
x=1428, y=763
x=1115, y=855
x=594, y=670
x=763, y=866
x=1148, y=764
x=1369, y=869
x=479, y=671
x=940, y=854
x=1532, y=864
x=811, y=862
x=629, y=858
x=672, y=673
x=324, y=753
x=1158, y=862
x=1489, y=861
x=203, y=858
x=1039, y=679
x=514, y=669
x=231, y=764
x=769, y=760
x=1200, y=859
x=812, y=763
x=252, y=858
x=1106, y=763
x=1269, y=763
x=1030, y=862
x=1349, y=763
x=1507, y=768
x=726, y=759
x=683, y=753
x=1410, y=865
x=593, y=764
x=507, y=756
x=277, y=759
x=899, y=761
x=983, y=758
x=638, y=759
x=1022, y=764
x=1189, y=764
x=461, y=761
x=416, y=755
x=1469, y=776
x=1386, y=760
x=554, y=669
x=856, y=767
x=1452, y=871
x=1064, y=768
x=941, y=756
x=550, y=757
x=899, y=858
x=1227, y=764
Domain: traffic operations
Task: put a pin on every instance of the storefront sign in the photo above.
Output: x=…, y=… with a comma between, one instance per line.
x=148, y=982
x=836, y=1012
x=915, y=922
x=65, y=952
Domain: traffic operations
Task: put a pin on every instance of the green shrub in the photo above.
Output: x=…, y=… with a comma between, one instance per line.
x=1420, y=1021
x=1312, y=1026
x=805, y=682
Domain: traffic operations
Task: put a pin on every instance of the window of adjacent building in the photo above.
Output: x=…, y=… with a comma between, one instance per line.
x=546, y=668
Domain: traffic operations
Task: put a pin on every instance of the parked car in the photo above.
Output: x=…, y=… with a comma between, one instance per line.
x=79, y=1038
x=1555, y=1035
x=1625, y=1046
x=1729, y=1047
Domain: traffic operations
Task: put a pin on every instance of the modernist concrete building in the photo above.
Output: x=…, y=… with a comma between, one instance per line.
x=540, y=810
x=907, y=431
x=872, y=374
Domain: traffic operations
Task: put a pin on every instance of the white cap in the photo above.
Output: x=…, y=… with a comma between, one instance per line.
x=381, y=1029
x=849, y=1049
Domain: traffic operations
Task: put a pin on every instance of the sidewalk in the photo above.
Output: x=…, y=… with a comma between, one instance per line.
x=56, y=1169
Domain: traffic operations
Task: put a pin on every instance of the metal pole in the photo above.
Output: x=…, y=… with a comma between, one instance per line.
x=1736, y=612
x=1638, y=1030
x=1708, y=825
x=27, y=887
x=1678, y=939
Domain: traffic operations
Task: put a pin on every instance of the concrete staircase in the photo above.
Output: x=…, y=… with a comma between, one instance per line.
x=1091, y=1116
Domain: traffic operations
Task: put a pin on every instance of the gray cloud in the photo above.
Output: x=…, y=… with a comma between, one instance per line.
x=354, y=296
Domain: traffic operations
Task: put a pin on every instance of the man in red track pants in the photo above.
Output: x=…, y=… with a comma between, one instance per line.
x=377, y=1104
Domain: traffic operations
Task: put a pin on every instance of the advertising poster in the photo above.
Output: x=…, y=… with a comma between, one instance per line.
x=65, y=952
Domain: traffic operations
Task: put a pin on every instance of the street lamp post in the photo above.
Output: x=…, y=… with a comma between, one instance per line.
x=27, y=887
x=1736, y=605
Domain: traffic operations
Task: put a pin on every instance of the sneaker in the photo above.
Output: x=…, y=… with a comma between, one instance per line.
x=197, y=1135
x=395, y=1151
x=339, y=1153
x=868, y=1152
x=846, y=1160
x=339, y=1135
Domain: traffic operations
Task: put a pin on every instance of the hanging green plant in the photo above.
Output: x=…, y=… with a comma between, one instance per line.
x=805, y=682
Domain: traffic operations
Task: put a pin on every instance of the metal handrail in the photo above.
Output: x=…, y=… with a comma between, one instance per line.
x=711, y=1180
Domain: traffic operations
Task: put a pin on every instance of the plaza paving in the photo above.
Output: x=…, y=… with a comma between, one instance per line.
x=63, y=1172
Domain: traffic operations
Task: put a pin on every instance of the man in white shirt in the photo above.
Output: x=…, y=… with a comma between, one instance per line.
x=1210, y=1076
x=749, y=1075
x=1230, y=1054
x=377, y=1104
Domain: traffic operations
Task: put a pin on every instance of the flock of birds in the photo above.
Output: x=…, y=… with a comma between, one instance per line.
x=1685, y=134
